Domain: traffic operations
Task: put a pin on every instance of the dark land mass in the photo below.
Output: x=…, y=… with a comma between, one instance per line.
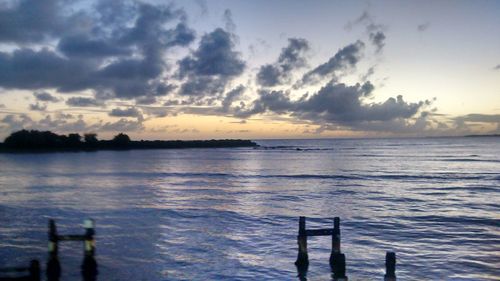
x=38, y=141
x=482, y=136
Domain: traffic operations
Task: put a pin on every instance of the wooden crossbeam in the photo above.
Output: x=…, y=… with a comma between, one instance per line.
x=319, y=232
x=89, y=265
x=71, y=237
x=33, y=269
x=14, y=269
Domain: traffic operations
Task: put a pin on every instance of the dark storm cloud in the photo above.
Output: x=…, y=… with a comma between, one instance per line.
x=182, y=35
x=29, y=21
x=345, y=104
x=83, y=102
x=214, y=56
x=465, y=124
x=38, y=107
x=368, y=74
x=44, y=96
x=345, y=58
x=125, y=112
x=336, y=103
x=81, y=45
x=374, y=30
x=232, y=96
x=211, y=66
x=149, y=30
x=378, y=39
x=497, y=67
x=146, y=100
x=291, y=57
x=157, y=112
x=122, y=125
x=201, y=86
x=29, y=69
x=118, y=51
x=17, y=122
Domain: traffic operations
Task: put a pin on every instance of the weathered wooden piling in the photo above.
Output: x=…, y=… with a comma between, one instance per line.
x=302, y=257
x=336, y=236
x=53, y=271
x=337, y=259
x=89, y=264
x=390, y=266
x=338, y=265
x=33, y=270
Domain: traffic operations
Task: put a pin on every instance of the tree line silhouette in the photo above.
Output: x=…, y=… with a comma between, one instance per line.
x=33, y=140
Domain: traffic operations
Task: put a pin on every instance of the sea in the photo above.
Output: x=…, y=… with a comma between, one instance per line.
x=232, y=213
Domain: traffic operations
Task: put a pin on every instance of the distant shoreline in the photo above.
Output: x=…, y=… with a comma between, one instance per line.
x=482, y=136
x=36, y=141
x=139, y=145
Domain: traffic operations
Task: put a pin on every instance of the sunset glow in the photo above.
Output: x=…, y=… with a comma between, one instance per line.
x=255, y=69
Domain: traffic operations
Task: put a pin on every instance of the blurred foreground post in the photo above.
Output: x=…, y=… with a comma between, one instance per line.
x=53, y=265
x=89, y=265
x=33, y=269
x=390, y=266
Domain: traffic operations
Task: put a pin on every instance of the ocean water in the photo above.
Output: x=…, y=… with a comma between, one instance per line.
x=232, y=214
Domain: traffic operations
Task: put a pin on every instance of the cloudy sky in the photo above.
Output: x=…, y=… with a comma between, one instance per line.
x=250, y=69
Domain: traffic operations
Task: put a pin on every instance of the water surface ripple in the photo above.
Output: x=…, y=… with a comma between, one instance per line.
x=231, y=214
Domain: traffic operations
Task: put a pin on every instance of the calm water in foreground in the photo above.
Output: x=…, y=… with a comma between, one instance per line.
x=232, y=214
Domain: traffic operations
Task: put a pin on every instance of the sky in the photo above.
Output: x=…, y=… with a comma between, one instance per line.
x=250, y=69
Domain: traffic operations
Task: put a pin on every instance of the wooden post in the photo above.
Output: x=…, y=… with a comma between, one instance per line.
x=34, y=270
x=302, y=258
x=336, y=236
x=390, y=266
x=89, y=237
x=337, y=259
x=338, y=264
x=53, y=266
x=89, y=265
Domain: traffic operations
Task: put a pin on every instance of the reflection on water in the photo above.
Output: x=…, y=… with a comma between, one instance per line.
x=226, y=214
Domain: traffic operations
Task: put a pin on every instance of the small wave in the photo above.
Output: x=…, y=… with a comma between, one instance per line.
x=427, y=177
x=461, y=220
x=474, y=188
x=378, y=177
x=469, y=160
x=216, y=175
x=293, y=148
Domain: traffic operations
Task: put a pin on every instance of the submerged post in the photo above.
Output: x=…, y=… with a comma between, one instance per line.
x=390, y=266
x=53, y=266
x=302, y=257
x=34, y=270
x=337, y=262
x=337, y=259
x=89, y=265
